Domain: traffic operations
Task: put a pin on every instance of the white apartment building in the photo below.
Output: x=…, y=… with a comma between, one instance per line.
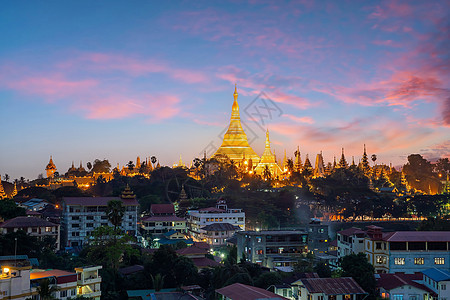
x=350, y=241
x=162, y=219
x=200, y=218
x=81, y=215
x=89, y=282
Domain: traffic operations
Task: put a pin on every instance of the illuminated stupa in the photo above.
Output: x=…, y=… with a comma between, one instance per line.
x=235, y=144
x=268, y=159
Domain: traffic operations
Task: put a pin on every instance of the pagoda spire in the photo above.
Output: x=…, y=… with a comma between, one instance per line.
x=235, y=141
x=343, y=162
x=365, y=161
x=14, y=192
x=268, y=159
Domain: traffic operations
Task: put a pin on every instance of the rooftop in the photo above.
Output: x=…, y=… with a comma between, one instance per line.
x=38, y=274
x=192, y=251
x=239, y=291
x=419, y=236
x=162, y=219
x=162, y=209
x=96, y=201
x=333, y=286
x=272, y=232
x=392, y=281
x=220, y=227
x=21, y=222
x=437, y=274
x=351, y=231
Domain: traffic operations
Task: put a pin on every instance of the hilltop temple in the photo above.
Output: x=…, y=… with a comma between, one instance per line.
x=235, y=144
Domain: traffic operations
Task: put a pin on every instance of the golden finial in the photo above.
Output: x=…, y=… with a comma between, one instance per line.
x=235, y=92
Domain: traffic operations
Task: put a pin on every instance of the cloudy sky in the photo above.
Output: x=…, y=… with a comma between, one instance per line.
x=82, y=80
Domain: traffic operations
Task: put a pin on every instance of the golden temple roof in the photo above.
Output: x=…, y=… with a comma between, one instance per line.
x=268, y=158
x=235, y=144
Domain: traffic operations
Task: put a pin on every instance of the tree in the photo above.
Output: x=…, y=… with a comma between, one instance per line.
x=6, y=177
x=115, y=211
x=130, y=165
x=305, y=265
x=153, y=160
x=323, y=270
x=265, y=280
x=374, y=158
x=89, y=165
x=358, y=267
x=101, y=166
x=157, y=282
x=434, y=224
x=419, y=174
x=9, y=209
x=46, y=290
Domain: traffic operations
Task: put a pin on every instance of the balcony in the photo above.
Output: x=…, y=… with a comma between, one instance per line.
x=92, y=294
x=90, y=280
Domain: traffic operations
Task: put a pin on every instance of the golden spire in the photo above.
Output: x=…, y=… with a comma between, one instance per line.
x=267, y=139
x=235, y=92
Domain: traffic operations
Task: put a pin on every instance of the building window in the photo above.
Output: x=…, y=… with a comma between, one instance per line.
x=258, y=239
x=378, y=245
x=419, y=260
x=89, y=224
x=443, y=287
x=381, y=259
x=63, y=293
x=75, y=225
x=75, y=234
x=240, y=219
x=90, y=218
x=397, y=297
x=75, y=218
x=73, y=292
x=399, y=261
x=259, y=251
x=439, y=260
x=321, y=230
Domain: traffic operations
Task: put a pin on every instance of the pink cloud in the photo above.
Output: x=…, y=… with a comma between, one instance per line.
x=52, y=86
x=307, y=120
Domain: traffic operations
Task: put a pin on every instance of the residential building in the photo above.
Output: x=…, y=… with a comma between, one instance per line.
x=172, y=238
x=66, y=282
x=317, y=237
x=33, y=226
x=197, y=219
x=344, y=288
x=162, y=219
x=81, y=215
x=407, y=251
x=438, y=281
x=239, y=291
x=401, y=286
x=350, y=240
x=89, y=282
x=259, y=246
x=22, y=282
x=34, y=204
x=198, y=256
x=216, y=234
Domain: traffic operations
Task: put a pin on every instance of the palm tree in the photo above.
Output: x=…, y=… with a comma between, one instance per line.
x=157, y=282
x=115, y=211
x=266, y=172
x=153, y=159
x=46, y=290
x=374, y=158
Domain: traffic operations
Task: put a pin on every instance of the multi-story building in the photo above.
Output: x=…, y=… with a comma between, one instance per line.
x=22, y=282
x=162, y=219
x=197, y=219
x=33, y=226
x=350, y=241
x=216, y=234
x=81, y=215
x=89, y=282
x=259, y=246
x=317, y=237
x=407, y=251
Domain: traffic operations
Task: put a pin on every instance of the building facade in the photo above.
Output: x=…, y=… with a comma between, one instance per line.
x=89, y=282
x=198, y=219
x=260, y=246
x=162, y=219
x=33, y=226
x=81, y=215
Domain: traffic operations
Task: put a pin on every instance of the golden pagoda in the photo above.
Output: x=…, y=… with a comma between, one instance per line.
x=51, y=168
x=235, y=144
x=2, y=191
x=268, y=159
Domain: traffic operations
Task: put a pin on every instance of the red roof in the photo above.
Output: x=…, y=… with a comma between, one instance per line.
x=97, y=201
x=419, y=236
x=351, y=231
x=162, y=219
x=192, y=250
x=332, y=286
x=212, y=209
x=239, y=291
x=204, y=262
x=21, y=222
x=162, y=209
x=392, y=281
x=201, y=245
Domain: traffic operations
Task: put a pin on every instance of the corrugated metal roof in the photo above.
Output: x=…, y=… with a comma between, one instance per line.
x=21, y=222
x=392, y=281
x=333, y=286
x=163, y=219
x=239, y=291
x=419, y=236
x=220, y=227
x=437, y=274
x=162, y=209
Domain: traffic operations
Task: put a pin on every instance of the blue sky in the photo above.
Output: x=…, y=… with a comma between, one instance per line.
x=82, y=80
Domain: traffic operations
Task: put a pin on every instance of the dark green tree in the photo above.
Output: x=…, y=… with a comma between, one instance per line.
x=358, y=267
x=9, y=209
x=115, y=211
x=46, y=290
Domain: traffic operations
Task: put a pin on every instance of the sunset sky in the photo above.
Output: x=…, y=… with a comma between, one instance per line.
x=81, y=80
